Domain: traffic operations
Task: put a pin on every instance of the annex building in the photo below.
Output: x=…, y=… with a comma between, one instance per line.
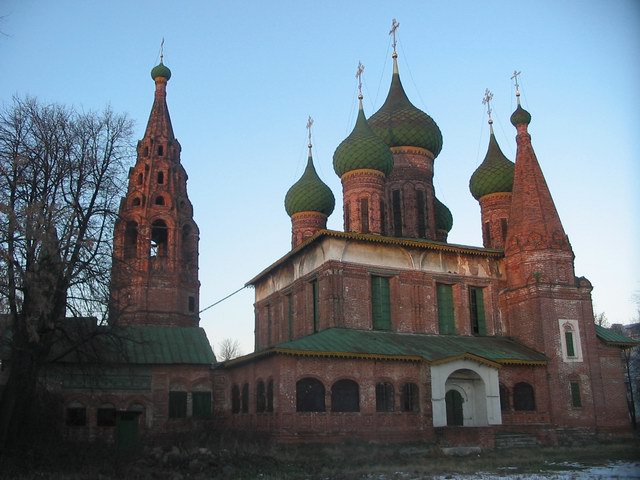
x=383, y=331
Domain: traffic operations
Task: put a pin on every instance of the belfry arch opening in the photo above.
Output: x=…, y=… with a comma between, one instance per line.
x=130, y=239
x=159, y=239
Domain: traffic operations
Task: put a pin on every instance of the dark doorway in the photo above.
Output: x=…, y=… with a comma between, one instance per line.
x=454, y=402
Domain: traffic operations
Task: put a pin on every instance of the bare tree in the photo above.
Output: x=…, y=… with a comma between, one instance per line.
x=61, y=176
x=228, y=349
x=601, y=319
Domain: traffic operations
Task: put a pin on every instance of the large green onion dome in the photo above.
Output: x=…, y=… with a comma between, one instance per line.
x=520, y=116
x=444, y=219
x=495, y=173
x=160, y=70
x=400, y=124
x=362, y=149
x=309, y=194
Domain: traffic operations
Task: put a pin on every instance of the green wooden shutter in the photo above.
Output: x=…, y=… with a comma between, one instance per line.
x=201, y=404
x=568, y=337
x=576, y=401
x=177, y=404
x=446, y=318
x=380, y=303
x=482, y=324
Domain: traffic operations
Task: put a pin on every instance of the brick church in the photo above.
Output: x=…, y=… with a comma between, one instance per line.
x=383, y=331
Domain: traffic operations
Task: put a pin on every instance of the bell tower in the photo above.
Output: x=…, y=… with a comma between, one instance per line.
x=154, y=278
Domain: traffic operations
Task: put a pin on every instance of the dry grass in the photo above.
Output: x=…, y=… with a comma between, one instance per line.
x=232, y=458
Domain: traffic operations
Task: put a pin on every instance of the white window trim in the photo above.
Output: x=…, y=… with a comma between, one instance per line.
x=577, y=344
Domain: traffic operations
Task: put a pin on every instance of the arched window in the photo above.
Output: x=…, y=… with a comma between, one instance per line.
x=309, y=395
x=261, y=399
x=569, y=338
x=159, y=238
x=235, y=399
x=523, y=397
x=345, y=396
x=410, y=398
x=161, y=176
x=244, y=401
x=270, y=396
x=106, y=415
x=364, y=215
x=146, y=152
x=76, y=415
x=159, y=200
x=140, y=179
x=177, y=404
x=130, y=239
x=421, y=205
x=504, y=398
x=385, y=401
x=135, y=202
x=160, y=150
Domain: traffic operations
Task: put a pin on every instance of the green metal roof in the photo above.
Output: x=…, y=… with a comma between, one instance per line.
x=344, y=342
x=160, y=70
x=614, y=338
x=495, y=173
x=444, y=218
x=520, y=116
x=400, y=124
x=309, y=194
x=362, y=149
x=142, y=344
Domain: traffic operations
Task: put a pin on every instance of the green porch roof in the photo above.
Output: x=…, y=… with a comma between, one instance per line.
x=611, y=337
x=434, y=349
x=146, y=345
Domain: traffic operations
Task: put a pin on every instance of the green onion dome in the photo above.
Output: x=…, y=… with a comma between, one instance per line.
x=444, y=219
x=400, y=124
x=309, y=194
x=520, y=116
x=362, y=149
x=160, y=70
x=495, y=173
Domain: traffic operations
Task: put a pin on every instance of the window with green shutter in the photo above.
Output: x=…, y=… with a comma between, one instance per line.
x=201, y=404
x=476, y=311
x=446, y=318
x=568, y=337
x=380, y=303
x=177, y=404
x=576, y=400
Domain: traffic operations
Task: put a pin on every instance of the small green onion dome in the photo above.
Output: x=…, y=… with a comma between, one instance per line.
x=309, y=194
x=400, y=124
x=495, y=173
x=444, y=219
x=520, y=116
x=362, y=149
x=160, y=70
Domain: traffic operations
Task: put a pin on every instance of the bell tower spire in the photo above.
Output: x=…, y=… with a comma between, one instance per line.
x=155, y=260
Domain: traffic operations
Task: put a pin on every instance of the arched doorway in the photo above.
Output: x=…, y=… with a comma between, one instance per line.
x=454, y=401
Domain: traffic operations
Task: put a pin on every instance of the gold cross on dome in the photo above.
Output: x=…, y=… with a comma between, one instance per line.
x=359, y=77
x=514, y=77
x=486, y=100
x=309, y=124
x=392, y=32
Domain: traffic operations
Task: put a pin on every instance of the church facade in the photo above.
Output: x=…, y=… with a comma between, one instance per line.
x=383, y=331
x=387, y=332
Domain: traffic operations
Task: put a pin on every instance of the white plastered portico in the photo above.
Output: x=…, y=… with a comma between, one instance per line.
x=478, y=385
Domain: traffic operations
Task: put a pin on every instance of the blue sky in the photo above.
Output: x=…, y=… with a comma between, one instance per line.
x=247, y=74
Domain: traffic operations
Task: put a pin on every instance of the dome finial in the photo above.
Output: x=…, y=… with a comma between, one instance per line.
x=486, y=100
x=515, y=79
x=394, y=26
x=359, y=72
x=309, y=125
